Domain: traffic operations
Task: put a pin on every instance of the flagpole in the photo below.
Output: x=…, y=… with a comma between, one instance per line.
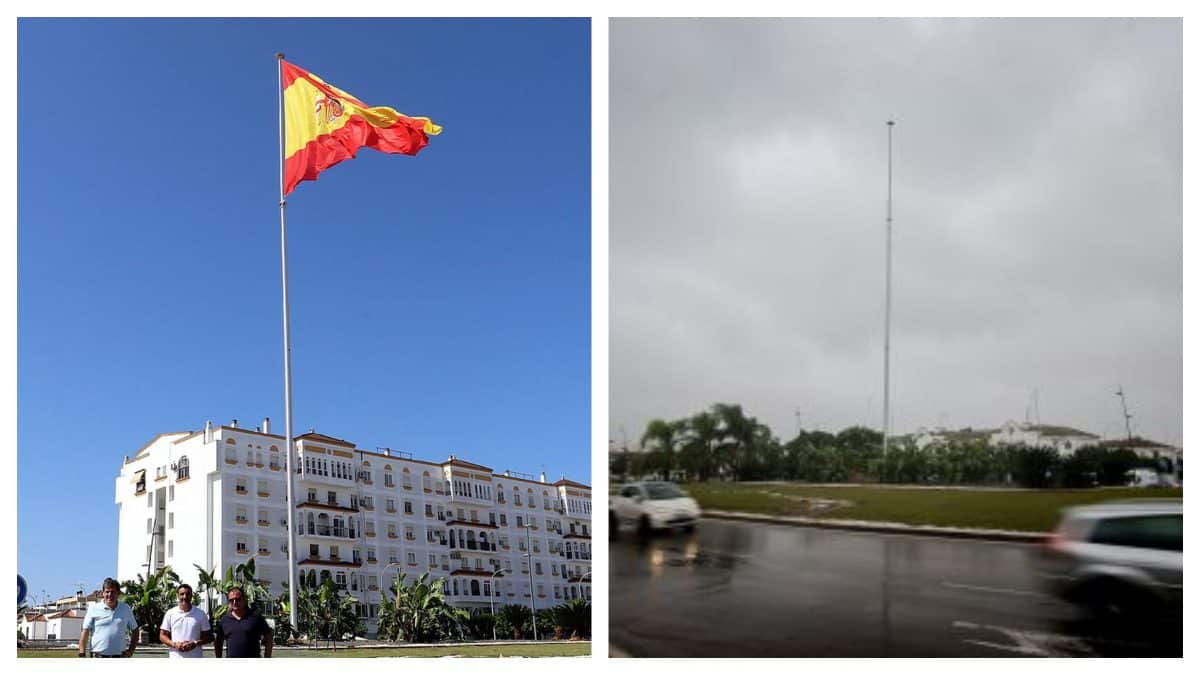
x=887, y=321
x=287, y=370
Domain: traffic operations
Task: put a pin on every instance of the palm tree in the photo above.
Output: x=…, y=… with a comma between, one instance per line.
x=701, y=437
x=150, y=598
x=740, y=436
x=574, y=617
x=661, y=438
x=514, y=617
x=417, y=612
x=243, y=575
x=207, y=582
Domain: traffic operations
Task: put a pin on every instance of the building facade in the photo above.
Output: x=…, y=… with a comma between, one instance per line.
x=217, y=497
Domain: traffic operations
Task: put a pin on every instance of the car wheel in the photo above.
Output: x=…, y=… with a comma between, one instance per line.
x=1117, y=606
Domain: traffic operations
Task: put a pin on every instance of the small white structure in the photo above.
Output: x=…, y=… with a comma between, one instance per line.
x=1063, y=440
x=65, y=625
x=33, y=627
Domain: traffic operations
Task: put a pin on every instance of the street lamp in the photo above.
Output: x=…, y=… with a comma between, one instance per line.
x=529, y=568
x=382, y=596
x=492, y=601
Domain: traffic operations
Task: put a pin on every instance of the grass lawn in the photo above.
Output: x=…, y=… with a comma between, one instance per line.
x=1021, y=510
x=459, y=650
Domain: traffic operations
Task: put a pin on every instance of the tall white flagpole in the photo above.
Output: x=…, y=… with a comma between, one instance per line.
x=287, y=370
x=887, y=313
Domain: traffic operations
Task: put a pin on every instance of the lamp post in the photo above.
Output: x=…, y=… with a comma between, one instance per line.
x=382, y=574
x=529, y=568
x=581, y=579
x=492, y=600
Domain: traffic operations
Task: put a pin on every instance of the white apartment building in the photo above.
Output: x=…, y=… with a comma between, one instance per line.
x=217, y=497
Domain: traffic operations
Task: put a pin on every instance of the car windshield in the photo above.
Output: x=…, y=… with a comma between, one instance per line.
x=663, y=491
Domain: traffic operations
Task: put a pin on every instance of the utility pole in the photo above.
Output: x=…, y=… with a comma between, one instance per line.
x=887, y=320
x=1125, y=412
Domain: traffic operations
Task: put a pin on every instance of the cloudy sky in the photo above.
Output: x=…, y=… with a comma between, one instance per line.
x=1037, y=221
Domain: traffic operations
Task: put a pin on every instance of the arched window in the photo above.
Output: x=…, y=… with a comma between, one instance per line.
x=182, y=468
x=426, y=482
x=474, y=587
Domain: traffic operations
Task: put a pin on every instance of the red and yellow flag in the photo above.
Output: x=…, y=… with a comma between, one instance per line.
x=325, y=125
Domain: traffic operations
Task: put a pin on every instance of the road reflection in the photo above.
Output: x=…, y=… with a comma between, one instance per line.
x=746, y=589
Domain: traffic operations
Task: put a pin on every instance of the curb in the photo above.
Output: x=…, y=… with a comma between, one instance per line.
x=883, y=527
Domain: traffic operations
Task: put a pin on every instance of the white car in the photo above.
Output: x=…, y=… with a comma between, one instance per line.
x=652, y=506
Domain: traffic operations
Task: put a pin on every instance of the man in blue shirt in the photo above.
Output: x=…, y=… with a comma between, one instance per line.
x=106, y=624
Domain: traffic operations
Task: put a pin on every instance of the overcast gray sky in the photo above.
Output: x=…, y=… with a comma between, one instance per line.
x=1037, y=221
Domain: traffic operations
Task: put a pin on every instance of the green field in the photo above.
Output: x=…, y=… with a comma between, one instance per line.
x=1020, y=510
x=457, y=650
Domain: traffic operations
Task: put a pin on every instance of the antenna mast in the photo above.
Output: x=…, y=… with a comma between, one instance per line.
x=1125, y=412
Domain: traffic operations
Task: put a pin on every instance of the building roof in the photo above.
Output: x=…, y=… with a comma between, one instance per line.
x=1135, y=442
x=322, y=438
x=1051, y=430
x=142, y=450
x=570, y=483
x=454, y=461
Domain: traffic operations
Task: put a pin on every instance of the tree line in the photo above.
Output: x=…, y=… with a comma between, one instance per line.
x=411, y=611
x=725, y=443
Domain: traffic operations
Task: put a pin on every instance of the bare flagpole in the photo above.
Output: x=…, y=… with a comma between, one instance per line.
x=287, y=370
x=887, y=321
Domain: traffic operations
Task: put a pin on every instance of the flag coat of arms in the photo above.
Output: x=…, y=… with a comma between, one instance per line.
x=325, y=125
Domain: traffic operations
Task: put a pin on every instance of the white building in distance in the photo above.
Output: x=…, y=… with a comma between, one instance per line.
x=217, y=497
x=1063, y=440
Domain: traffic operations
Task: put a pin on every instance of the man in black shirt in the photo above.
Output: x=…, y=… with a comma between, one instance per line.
x=242, y=630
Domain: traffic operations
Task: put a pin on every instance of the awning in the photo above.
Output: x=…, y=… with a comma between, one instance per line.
x=139, y=476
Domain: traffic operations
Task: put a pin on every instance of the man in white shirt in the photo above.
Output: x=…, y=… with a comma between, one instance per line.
x=185, y=629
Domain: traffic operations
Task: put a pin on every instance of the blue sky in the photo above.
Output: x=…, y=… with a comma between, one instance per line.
x=439, y=303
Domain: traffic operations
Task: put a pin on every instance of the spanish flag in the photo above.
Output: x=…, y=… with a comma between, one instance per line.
x=325, y=125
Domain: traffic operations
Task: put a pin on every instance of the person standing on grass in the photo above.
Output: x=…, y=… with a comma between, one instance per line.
x=242, y=630
x=107, y=625
x=185, y=628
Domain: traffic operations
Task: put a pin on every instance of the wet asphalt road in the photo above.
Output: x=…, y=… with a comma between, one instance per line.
x=734, y=589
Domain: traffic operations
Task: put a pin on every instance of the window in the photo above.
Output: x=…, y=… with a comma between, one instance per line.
x=391, y=505
x=170, y=493
x=429, y=510
x=388, y=480
x=170, y=521
x=333, y=553
x=503, y=519
x=170, y=547
x=408, y=507
x=240, y=486
x=332, y=497
x=412, y=558
x=182, y=470
x=314, y=551
x=433, y=560
x=242, y=547
x=1155, y=532
x=312, y=494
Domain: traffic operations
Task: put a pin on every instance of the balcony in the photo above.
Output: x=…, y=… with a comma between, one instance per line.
x=264, y=551
x=327, y=531
x=263, y=493
x=241, y=520
x=240, y=489
x=263, y=522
